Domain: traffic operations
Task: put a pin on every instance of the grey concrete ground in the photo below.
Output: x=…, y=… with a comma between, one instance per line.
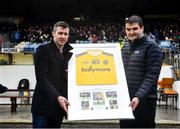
x=165, y=118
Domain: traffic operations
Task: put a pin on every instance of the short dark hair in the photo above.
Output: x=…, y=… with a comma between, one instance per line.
x=134, y=19
x=60, y=24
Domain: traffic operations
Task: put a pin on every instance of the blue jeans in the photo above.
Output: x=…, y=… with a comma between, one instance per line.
x=45, y=122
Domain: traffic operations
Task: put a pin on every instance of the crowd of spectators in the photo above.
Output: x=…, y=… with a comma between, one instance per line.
x=80, y=32
x=83, y=32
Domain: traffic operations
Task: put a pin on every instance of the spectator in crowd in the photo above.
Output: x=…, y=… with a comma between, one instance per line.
x=17, y=36
x=149, y=35
x=49, y=104
x=142, y=62
x=1, y=40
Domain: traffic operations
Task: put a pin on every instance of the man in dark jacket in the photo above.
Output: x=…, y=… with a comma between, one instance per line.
x=142, y=62
x=49, y=104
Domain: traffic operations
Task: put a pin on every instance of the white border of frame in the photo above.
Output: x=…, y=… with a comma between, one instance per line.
x=75, y=110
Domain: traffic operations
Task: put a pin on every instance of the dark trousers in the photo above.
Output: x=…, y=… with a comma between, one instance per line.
x=136, y=124
x=144, y=116
x=44, y=122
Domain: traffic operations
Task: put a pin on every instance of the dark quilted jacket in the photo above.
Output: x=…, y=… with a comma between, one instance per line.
x=142, y=62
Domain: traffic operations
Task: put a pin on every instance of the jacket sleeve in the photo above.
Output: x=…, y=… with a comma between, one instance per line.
x=41, y=70
x=153, y=62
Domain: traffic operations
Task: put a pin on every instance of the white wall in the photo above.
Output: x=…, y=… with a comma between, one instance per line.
x=176, y=87
x=11, y=74
x=166, y=71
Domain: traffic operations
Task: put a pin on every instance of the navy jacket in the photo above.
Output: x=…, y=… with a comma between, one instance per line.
x=51, y=76
x=142, y=62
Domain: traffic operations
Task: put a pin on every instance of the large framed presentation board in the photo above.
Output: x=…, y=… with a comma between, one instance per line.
x=97, y=87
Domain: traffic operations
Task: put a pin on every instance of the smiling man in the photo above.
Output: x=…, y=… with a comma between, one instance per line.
x=142, y=62
x=49, y=104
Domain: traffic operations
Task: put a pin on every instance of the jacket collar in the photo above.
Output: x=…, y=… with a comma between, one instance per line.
x=136, y=42
x=66, y=49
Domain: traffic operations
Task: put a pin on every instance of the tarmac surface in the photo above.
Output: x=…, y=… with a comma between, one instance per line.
x=165, y=118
